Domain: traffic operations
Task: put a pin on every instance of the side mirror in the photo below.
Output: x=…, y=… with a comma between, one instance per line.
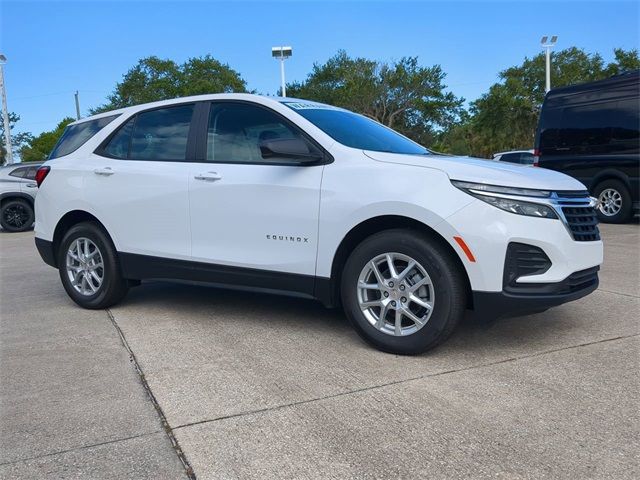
x=293, y=148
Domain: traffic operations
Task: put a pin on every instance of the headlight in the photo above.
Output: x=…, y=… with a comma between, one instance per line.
x=493, y=195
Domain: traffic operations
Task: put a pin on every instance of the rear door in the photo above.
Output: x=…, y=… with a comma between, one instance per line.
x=137, y=182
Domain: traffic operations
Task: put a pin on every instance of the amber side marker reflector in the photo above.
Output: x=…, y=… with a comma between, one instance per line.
x=465, y=248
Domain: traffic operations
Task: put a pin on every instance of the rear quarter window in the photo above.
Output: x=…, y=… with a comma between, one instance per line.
x=76, y=135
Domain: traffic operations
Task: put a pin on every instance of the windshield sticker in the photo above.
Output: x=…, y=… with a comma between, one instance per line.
x=308, y=106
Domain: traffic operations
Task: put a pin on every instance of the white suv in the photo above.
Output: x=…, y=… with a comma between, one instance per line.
x=277, y=194
x=17, y=195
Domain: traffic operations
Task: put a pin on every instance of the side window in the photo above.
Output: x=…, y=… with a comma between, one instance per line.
x=236, y=131
x=526, y=158
x=588, y=125
x=19, y=172
x=510, y=157
x=118, y=146
x=161, y=134
x=76, y=135
x=625, y=126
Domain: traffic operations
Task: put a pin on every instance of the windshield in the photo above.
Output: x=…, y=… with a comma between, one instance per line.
x=354, y=130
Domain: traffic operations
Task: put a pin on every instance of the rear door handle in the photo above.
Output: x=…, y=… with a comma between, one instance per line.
x=106, y=171
x=31, y=185
x=208, y=176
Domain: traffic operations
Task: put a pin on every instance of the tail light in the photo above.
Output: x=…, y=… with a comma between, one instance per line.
x=41, y=174
x=536, y=158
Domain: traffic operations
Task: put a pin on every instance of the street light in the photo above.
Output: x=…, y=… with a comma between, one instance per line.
x=282, y=53
x=5, y=112
x=547, y=45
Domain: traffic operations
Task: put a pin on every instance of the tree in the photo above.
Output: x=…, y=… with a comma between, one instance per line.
x=153, y=79
x=506, y=117
x=39, y=148
x=18, y=140
x=402, y=95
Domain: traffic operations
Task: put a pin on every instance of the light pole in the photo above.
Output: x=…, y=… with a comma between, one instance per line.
x=547, y=45
x=282, y=53
x=5, y=112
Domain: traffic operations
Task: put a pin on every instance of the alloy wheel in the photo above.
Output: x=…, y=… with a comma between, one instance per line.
x=85, y=267
x=610, y=202
x=16, y=215
x=395, y=294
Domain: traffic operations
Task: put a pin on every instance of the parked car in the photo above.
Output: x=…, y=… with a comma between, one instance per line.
x=17, y=195
x=592, y=132
x=522, y=157
x=284, y=195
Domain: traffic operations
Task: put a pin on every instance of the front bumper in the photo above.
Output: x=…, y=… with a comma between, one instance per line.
x=535, y=297
x=488, y=231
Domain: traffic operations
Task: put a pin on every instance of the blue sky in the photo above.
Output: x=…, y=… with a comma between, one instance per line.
x=55, y=48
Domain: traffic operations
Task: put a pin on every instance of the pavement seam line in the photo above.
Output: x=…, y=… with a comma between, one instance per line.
x=81, y=447
x=619, y=293
x=406, y=380
x=163, y=419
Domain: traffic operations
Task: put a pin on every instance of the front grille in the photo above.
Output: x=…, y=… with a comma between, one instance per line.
x=579, y=215
x=583, y=223
x=523, y=260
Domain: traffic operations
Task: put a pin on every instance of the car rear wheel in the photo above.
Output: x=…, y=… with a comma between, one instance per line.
x=89, y=267
x=16, y=215
x=403, y=292
x=614, y=202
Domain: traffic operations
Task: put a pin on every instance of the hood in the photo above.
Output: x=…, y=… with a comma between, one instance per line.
x=490, y=172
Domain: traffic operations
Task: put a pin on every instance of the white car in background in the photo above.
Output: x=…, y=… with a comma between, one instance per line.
x=18, y=190
x=522, y=157
x=297, y=197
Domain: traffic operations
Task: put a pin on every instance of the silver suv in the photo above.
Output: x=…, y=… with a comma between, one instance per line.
x=18, y=190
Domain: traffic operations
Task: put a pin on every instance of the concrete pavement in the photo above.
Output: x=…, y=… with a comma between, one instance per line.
x=257, y=386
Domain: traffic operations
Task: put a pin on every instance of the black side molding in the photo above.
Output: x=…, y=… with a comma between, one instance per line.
x=146, y=267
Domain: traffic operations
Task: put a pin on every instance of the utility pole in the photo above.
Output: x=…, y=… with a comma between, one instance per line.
x=77, y=106
x=547, y=45
x=5, y=112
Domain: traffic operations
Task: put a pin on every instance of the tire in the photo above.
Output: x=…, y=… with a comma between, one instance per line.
x=447, y=291
x=16, y=215
x=95, y=295
x=614, y=202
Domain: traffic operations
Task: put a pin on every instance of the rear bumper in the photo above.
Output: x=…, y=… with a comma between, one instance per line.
x=45, y=249
x=535, y=297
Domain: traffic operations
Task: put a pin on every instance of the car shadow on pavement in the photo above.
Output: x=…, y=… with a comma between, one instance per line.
x=211, y=308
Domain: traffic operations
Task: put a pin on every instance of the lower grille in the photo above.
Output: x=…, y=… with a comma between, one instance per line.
x=582, y=279
x=583, y=223
x=523, y=260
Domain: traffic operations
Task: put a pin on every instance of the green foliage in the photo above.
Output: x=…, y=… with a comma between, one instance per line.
x=506, y=117
x=402, y=95
x=155, y=79
x=39, y=147
x=18, y=140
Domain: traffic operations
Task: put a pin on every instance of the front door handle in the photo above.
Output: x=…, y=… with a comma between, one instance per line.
x=208, y=176
x=106, y=171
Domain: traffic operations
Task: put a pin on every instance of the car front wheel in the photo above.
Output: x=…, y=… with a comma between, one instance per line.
x=89, y=267
x=403, y=291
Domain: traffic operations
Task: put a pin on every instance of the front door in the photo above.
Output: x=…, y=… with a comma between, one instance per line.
x=248, y=211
